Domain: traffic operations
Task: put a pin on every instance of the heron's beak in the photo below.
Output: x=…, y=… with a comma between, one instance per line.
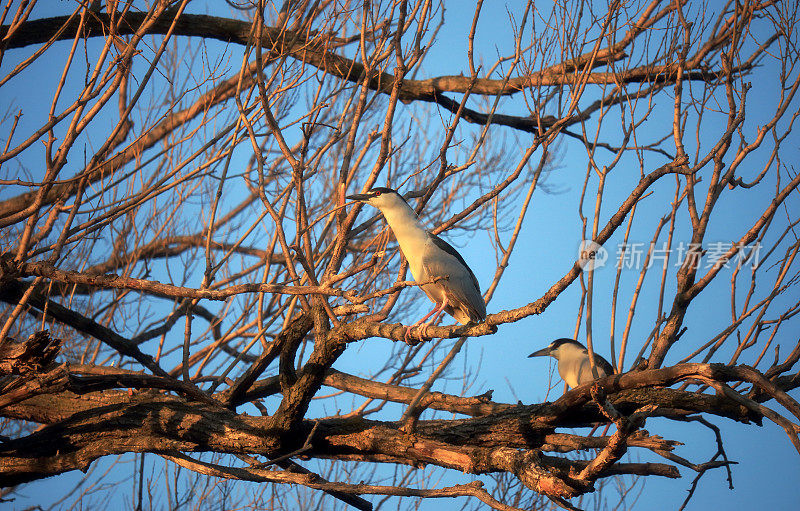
x=359, y=197
x=541, y=353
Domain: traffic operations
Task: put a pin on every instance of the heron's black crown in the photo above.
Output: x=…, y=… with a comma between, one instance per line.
x=558, y=342
x=376, y=192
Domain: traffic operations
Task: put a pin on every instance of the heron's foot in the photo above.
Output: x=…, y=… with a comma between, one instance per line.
x=408, y=338
x=422, y=331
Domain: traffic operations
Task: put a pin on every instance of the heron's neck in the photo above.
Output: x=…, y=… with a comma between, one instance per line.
x=406, y=227
x=570, y=354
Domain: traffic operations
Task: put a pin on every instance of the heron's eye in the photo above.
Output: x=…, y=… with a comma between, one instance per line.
x=377, y=194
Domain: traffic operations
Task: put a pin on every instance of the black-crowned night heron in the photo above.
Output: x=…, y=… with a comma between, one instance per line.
x=573, y=361
x=456, y=291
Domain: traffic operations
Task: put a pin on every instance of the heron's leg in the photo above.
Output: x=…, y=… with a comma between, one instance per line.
x=597, y=426
x=422, y=330
x=439, y=308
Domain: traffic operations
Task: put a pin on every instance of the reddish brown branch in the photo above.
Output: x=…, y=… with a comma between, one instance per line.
x=9, y=268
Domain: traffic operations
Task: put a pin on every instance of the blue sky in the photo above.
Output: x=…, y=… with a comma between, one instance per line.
x=545, y=252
